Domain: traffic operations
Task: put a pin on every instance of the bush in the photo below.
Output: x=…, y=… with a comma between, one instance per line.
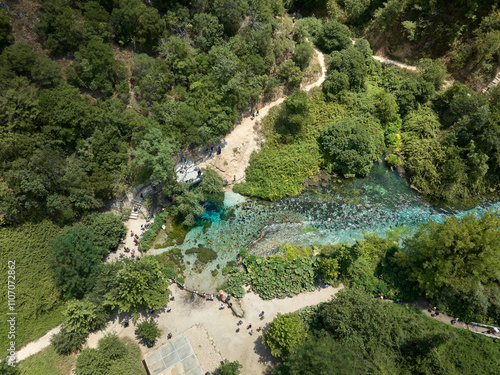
x=84, y=316
x=231, y=368
x=148, y=330
x=334, y=37
x=285, y=335
x=112, y=347
x=66, y=342
x=290, y=74
x=277, y=277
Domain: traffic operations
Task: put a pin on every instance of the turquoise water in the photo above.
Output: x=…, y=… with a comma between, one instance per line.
x=326, y=212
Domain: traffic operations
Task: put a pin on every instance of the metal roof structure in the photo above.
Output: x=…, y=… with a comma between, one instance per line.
x=176, y=357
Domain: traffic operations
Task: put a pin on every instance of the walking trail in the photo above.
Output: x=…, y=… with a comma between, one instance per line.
x=239, y=145
x=188, y=310
x=245, y=138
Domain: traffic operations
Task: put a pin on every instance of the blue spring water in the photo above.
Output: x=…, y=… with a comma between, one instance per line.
x=326, y=212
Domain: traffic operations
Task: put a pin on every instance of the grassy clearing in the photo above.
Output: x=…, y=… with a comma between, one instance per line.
x=287, y=161
x=47, y=362
x=38, y=303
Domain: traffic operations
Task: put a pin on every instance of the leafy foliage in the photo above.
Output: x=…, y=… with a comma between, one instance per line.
x=113, y=356
x=289, y=73
x=66, y=342
x=361, y=334
x=277, y=277
x=334, y=37
x=148, y=330
x=75, y=255
x=230, y=368
x=5, y=32
x=286, y=333
x=349, y=146
x=155, y=154
x=140, y=285
x=28, y=245
x=150, y=234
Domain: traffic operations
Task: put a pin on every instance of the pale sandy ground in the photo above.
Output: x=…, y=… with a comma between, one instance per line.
x=240, y=143
x=35, y=346
x=221, y=325
x=132, y=225
x=245, y=138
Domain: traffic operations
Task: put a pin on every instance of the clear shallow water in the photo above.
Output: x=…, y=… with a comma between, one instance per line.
x=324, y=213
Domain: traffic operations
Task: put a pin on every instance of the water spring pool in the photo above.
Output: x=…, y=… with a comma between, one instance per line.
x=326, y=212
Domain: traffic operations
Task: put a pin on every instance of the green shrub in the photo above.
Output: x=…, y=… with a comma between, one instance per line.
x=285, y=335
x=173, y=259
x=230, y=368
x=169, y=273
x=393, y=160
x=66, y=342
x=148, y=330
x=153, y=230
x=243, y=253
x=214, y=272
x=277, y=277
x=277, y=172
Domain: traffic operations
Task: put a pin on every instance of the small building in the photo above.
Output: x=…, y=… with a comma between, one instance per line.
x=176, y=357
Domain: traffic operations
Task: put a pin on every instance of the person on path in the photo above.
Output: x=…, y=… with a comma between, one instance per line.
x=234, y=180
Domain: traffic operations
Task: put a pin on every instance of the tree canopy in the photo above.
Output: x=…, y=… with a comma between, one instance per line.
x=349, y=146
x=285, y=335
x=140, y=286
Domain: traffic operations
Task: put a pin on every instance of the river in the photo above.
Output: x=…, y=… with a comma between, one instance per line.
x=326, y=212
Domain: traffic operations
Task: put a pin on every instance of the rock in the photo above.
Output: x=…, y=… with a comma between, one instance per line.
x=237, y=310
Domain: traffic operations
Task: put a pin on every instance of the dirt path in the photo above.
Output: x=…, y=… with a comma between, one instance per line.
x=38, y=345
x=189, y=310
x=246, y=138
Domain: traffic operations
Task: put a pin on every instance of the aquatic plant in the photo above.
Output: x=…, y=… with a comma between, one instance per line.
x=278, y=277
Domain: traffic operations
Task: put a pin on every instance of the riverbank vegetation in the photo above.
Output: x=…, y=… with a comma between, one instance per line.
x=453, y=264
x=444, y=139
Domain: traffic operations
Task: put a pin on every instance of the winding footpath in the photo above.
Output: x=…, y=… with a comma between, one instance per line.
x=245, y=138
x=238, y=146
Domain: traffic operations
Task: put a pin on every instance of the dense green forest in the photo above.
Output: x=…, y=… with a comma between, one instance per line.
x=109, y=94
x=357, y=334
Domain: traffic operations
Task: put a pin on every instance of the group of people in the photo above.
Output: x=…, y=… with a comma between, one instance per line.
x=255, y=114
x=249, y=327
x=219, y=151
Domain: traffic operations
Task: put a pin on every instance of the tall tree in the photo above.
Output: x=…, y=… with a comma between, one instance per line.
x=453, y=257
x=285, y=335
x=140, y=286
x=155, y=154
